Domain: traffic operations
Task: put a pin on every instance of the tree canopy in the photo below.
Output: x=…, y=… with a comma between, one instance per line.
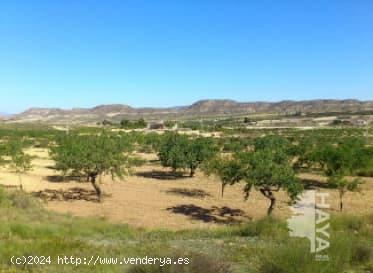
x=92, y=156
x=180, y=152
x=267, y=168
x=341, y=160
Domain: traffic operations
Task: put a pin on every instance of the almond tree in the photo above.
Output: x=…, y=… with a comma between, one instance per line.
x=269, y=169
x=342, y=160
x=197, y=152
x=344, y=185
x=266, y=168
x=268, y=173
x=180, y=152
x=92, y=156
x=20, y=162
x=228, y=170
x=172, y=151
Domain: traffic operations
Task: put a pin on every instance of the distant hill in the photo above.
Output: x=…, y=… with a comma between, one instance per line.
x=3, y=115
x=200, y=108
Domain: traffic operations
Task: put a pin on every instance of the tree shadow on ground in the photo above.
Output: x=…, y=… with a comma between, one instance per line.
x=311, y=184
x=153, y=161
x=162, y=175
x=62, y=179
x=68, y=195
x=10, y=186
x=197, y=193
x=222, y=215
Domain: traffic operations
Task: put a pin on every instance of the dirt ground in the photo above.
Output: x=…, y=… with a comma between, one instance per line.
x=152, y=198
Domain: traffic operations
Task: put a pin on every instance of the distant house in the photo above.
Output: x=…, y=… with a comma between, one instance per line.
x=359, y=122
x=156, y=125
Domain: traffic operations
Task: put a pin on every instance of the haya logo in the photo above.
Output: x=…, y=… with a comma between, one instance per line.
x=310, y=221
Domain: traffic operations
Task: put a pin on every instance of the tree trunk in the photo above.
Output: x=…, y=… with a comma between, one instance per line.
x=222, y=189
x=96, y=186
x=340, y=201
x=192, y=172
x=20, y=182
x=269, y=194
x=272, y=206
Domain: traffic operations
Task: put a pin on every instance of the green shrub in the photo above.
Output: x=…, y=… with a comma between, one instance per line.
x=21, y=230
x=294, y=256
x=3, y=197
x=266, y=228
x=361, y=253
x=285, y=259
x=23, y=200
x=197, y=264
x=347, y=223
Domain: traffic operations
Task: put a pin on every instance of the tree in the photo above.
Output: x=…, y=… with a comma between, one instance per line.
x=267, y=168
x=172, y=151
x=198, y=151
x=343, y=185
x=20, y=162
x=92, y=156
x=247, y=120
x=341, y=160
x=178, y=151
x=107, y=122
x=306, y=152
x=127, y=124
x=280, y=146
x=269, y=171
x=228, y=170
x=141, y=123
x=170, y=123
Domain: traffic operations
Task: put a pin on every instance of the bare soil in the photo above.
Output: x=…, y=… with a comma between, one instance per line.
x=153, y=198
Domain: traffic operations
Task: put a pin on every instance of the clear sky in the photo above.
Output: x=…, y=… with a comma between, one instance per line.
x=80, y=53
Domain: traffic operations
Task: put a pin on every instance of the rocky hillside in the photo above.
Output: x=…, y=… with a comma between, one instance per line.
x=200, y=108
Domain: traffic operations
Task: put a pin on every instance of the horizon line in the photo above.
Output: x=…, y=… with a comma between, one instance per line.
x=5, y=113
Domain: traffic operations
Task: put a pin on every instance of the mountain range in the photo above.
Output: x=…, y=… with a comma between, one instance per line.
x=201, y=108
x=3, y=115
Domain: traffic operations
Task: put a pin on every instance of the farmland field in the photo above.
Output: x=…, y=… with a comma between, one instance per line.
x=166, y=201
x=186, y=136
x=156, y=211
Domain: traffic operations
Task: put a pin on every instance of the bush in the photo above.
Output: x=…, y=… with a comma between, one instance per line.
x=294, y=256
x=3, y=197
x=286, y=258
x=197, y=264
x=266, y=228
x=361, y=253
x=18, y=199
x=347, y=223
x=22, y=200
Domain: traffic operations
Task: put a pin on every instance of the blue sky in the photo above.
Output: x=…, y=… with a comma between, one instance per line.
x=80, y=53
